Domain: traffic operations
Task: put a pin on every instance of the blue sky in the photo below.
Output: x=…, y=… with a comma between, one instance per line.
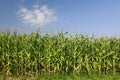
x=100, y=17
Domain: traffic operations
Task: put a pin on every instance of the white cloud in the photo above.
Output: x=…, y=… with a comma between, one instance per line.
x=37, y=16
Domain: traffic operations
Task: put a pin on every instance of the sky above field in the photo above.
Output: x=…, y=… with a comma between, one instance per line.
x=101, y=17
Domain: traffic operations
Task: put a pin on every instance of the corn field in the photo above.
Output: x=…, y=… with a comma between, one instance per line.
x=31, y=54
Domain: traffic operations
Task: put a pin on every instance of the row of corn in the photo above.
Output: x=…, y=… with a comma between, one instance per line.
x=28, y=54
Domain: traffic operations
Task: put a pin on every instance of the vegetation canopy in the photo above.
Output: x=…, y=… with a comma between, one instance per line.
x=23, y=54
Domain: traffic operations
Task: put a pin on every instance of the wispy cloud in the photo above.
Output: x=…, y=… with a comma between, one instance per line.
x=37, y=16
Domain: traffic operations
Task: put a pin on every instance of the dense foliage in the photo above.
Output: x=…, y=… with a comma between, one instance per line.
x=23, y=54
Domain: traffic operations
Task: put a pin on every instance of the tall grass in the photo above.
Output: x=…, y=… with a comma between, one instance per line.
x=23, y=54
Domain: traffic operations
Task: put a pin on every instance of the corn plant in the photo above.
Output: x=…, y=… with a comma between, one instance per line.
x=32, y=54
